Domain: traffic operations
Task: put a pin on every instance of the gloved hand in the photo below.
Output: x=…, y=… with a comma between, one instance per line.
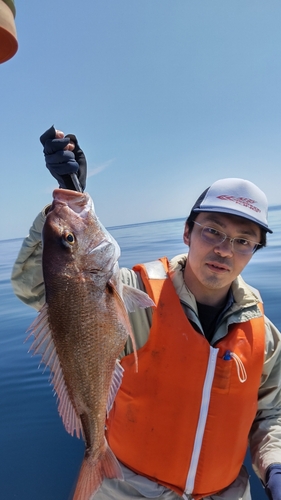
x=65, y=159
x=273, y=482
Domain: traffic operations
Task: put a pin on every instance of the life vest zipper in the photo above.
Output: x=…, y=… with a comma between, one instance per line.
x=205, y=401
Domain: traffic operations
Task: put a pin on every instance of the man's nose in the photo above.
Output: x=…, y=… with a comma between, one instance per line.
x=225, y=248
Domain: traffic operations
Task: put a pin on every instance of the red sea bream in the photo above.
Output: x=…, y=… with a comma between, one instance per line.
x=83, y=326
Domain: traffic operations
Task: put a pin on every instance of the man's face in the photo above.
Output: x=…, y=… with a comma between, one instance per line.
x=211, y=269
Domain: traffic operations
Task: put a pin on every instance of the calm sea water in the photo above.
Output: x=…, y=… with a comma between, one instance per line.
x=39, y=460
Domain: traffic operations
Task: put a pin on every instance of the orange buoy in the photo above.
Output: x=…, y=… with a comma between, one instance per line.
x=8, y=35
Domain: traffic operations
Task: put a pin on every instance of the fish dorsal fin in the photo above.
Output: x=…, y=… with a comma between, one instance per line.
x=134, y=297
x=115, y=384
x=43, y=344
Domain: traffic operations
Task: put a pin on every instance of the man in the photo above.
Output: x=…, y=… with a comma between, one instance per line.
x=209, y=360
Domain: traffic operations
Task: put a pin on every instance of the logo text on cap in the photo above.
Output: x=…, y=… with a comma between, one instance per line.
x=245, y=202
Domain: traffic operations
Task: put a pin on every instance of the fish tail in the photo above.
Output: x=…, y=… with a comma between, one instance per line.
x=93, y=472
x=110, y=465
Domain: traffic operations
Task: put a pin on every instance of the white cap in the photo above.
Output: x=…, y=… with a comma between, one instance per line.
x=236, y=197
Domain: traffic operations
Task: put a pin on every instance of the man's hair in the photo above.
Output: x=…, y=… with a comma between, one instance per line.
x=190, y=223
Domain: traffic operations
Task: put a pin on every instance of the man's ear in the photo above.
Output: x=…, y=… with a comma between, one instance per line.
x=186, y=235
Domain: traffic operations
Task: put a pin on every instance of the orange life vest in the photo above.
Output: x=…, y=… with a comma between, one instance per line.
x=183, y=419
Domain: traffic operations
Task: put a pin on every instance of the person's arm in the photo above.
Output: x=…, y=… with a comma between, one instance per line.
x=67, y=163
x=265, y=435
x=141, y=318
x=27, y=277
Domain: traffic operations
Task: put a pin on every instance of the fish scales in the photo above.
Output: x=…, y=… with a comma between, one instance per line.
x=83, y=326
x=79, y=328
x=81, y=314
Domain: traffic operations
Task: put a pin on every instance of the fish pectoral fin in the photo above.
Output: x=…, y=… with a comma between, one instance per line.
x=93, y=471
x=115, y=385
x=134, y=297
x=43, y=344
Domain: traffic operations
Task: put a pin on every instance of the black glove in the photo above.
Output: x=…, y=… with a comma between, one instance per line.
x=68, y=167
x=273, y=482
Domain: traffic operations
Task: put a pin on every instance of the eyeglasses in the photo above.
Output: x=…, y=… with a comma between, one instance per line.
x=215, y=237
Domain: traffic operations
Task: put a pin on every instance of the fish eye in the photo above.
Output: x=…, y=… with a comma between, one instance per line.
x=69, y=237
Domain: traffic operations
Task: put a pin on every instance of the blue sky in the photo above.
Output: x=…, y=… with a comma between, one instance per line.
x=165, y=97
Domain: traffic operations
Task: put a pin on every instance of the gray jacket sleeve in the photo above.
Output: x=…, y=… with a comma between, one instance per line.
x=27, y=277
x=141, y=318
x=265, y=435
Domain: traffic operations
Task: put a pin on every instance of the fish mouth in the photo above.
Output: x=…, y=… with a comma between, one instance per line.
x=83, y=206
x=80, y=203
